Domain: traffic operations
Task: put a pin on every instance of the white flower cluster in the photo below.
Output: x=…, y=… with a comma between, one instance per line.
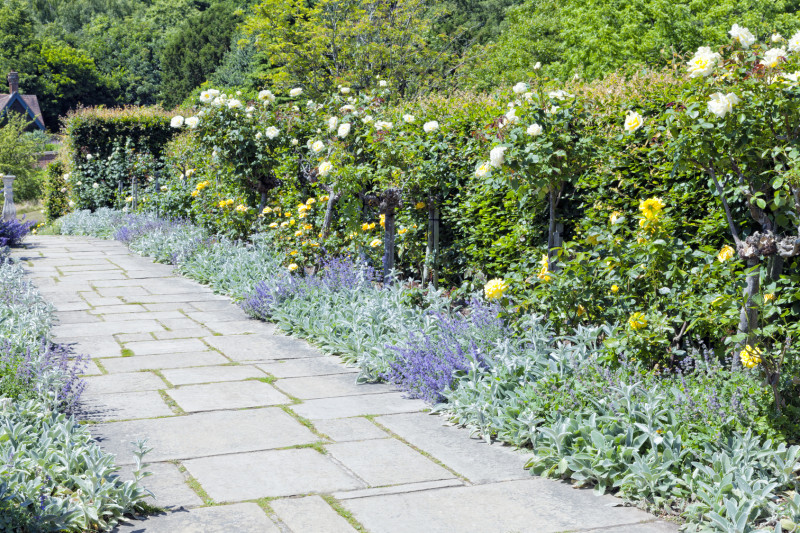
x=794, y=42
x=497, y=156
x=743, y=35
x=266, y=96
x=431, y=126
x=773, y=56
x=382, y=125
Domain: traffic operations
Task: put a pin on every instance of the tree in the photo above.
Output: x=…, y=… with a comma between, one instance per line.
x=331, y=42
x=192, y=55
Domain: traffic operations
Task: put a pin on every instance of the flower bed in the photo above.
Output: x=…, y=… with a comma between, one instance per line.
x=693, y=441
x=54, y=476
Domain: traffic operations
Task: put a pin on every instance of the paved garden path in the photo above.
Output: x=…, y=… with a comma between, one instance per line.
x=255, y=431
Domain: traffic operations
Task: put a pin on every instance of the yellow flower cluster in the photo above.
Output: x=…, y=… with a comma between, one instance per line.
x=225, y=203
x=495, y=288
x=366, y=226
x=241, y=208
x=651, y=208
x=383, y=221
x=637, y=321
x=402, y=231
x=769, y=297
x=375, y=242
x=725, y=253
x=750, y=356
x=202, y=185
x=544, y=272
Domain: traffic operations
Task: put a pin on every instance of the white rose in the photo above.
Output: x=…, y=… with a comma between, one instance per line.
x=383, y=83
x=297, y=91
x=520, y=88
x=367, y=119
x=703, y=62
x=791, y=79
x=345, y=90
x=794, y=42
x=71, y=203
x=249, y=109
x=266, y=96
x=79, y=183
x=295, y=108
x=559, y=94
x=317, y=147
x=347, y=108
x=63, y=189
x=206, y=97
x=537, y=66
x=552, y=110
x=484, y=169
x=772, y=57
x=528, y=96
x=742, y=35
x=511, y=118
x=176, y=122
x=721, y=104
x=409, y=118
x=332, y=123
x=633, y=121
x=344, y=130
x=272, y=132
x=95, y=186
x=214, y=93
x=66, y=176
x=382, y=125
x=217, y=101
x=234, y=103
x=192, y=122
x=325, y=168
x=89, y=157
x=776, y=37
x=201, y=113
x=534, y=130
x=430, y=126
x=258, y=135
x=497, y=156
x=295, y=142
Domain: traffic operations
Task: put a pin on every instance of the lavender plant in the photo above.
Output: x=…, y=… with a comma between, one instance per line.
x=13, y=231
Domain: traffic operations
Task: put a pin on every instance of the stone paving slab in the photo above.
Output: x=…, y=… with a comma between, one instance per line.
x=269, y=474
x=209, y=374
x=123, y=406
x=168, y=485
x=204, y=434
x=239, y=518
x=182, y=333
x=348, y=429
x=471, y=457
x=76, y=317
x=260, y=347
x=310, y=366
x=386, y=462
x=166, y=346
x=107, y=328
x=347, y=406
x=230, y=395
x=311, y=514
x=308, y=388
x=97, y=347
x=150, y=362
x=398, y=489
x=241, y=327
x=531, y=506
x=125, y=382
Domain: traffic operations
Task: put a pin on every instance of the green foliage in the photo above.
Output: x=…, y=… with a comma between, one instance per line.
x=17, y=157
x=593, y=38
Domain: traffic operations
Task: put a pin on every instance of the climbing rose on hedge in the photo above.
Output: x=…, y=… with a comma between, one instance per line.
x=703, y=62
x=633, y=121
x=497, y=156
x=495, y=288
x=651, y=208
x=272, y=132
x=317, y=147
x=483, y=169
x=534, y=130
x=324, y=168
x=297, y=91
x=520, y=88
x=743, y=35
x=637, y=321
x=430, y=126
x=721, y=104
x=772, y=57
x=344, y=129
x=725, y=253
x=192, y=122
x=176, y=122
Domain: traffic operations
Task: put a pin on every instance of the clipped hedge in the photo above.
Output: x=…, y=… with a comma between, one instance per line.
x=56, y=191
x=93, y=130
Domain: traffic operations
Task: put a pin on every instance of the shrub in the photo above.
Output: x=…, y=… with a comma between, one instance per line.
x=56, y=191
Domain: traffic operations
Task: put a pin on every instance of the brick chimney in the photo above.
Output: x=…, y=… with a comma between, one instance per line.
x=13, y=82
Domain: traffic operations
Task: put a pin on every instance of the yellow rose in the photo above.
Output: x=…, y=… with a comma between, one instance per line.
x=637, y=321
x=273, y=225
x=420, y=205
x=615, y=289
x=375, y=243
x=293, y=252
x=402, y=231
x=292, y=267
x=750, y=356
x=725, y=253
x=298, y=233
x=495, y=288
x=770, y=296
x=195, y=193
x=651, y=208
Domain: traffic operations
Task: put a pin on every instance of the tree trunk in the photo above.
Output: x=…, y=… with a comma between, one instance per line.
x=326, y=225
x=263, y=203
x=388, y=245
x=748, y=317
x=432, y=249
x=552, y=231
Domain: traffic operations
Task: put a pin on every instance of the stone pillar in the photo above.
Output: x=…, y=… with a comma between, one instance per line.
x=9, y=209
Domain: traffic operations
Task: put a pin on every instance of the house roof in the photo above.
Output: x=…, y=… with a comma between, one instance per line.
x=24, y=103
